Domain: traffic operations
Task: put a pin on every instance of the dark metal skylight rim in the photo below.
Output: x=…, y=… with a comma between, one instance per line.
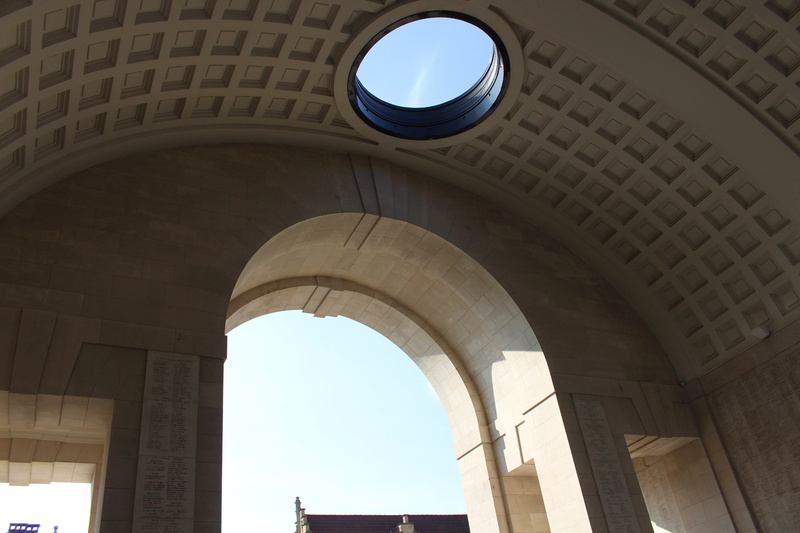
x=438, y=121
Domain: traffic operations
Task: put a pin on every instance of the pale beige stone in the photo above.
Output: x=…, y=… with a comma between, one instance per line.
x=656, y=141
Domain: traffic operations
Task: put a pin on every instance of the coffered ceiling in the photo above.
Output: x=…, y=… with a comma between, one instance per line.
x=659, y=140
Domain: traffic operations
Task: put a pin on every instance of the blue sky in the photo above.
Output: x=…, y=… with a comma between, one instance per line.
x=337, y=415
x=423, y=63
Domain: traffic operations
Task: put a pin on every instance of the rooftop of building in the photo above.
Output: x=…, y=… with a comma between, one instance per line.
x=423, y=523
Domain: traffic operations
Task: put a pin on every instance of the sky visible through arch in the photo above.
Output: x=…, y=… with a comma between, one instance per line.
x=325, y=409
x=350, y=424
x=342, y=418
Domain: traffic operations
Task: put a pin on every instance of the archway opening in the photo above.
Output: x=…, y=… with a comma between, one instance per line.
x=53, y=458
x=341, y=417
x=66, y=505
x=454, y=321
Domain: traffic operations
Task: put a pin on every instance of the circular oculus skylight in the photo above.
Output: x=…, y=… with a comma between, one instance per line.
x=428, y=76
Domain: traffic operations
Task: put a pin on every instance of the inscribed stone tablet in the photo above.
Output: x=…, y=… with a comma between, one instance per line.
x=165, y=480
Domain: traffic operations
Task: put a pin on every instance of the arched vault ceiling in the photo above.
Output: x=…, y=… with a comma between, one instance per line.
x=658, y=139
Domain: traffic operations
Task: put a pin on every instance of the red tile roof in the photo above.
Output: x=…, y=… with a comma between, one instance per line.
x=423, y=523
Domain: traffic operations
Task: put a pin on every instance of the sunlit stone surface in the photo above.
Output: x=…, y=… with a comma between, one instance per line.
x=600, y=280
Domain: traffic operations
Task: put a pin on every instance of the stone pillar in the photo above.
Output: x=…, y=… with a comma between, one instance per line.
x=584, y=470
x=544, y=443
x=165, y=476
x=482, y=491
x=208, y=482
x=165, y=453
x=609, y=484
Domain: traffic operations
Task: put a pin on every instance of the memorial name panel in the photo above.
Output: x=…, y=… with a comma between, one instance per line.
x=755, y=415
x=606, y=466
x=168, y=445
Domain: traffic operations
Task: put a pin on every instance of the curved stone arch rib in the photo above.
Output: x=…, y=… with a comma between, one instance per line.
x=324, y=296
x=341, y=265
x=445, y=293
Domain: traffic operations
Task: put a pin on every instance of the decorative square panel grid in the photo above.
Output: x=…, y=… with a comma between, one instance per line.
x=640, y=183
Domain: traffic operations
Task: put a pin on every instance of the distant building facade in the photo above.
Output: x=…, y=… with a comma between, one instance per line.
x=405, y=523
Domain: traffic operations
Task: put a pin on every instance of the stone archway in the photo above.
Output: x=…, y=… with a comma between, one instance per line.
x=462, y=329
x=138, y=259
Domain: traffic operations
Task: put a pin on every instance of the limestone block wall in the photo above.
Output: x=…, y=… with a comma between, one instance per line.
x=526, y=510
x=755, y=406
x=681, y=491
x=142, y=254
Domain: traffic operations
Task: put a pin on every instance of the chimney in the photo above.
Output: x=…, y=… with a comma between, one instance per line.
x=301, y=525
x=406, y=526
